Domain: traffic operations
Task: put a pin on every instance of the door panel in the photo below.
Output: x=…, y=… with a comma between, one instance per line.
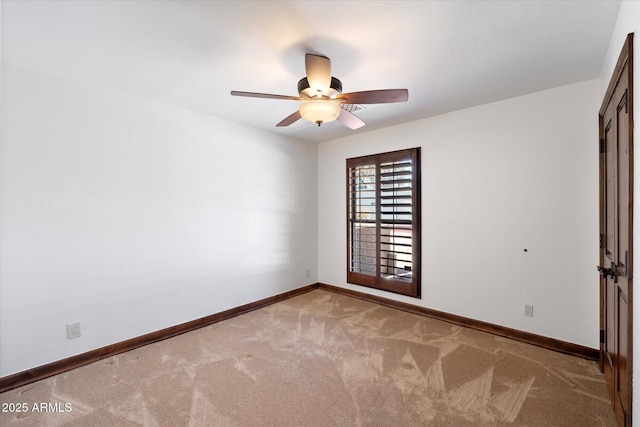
x=610, y=191
x=622, y=125
x=622, y=373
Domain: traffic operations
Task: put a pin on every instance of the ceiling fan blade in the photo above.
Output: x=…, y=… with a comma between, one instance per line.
x=349, y=119
x=383, y=96
x=265, y=95
x=318, y=70
x=290, y=119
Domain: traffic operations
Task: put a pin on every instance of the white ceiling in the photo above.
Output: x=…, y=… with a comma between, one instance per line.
x=449, y=54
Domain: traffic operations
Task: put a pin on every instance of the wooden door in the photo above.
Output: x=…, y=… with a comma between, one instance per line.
x=616, y=228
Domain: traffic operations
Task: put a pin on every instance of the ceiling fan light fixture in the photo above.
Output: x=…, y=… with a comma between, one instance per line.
x=320, y=110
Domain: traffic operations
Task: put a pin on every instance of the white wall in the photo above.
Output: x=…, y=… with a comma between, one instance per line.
x=629, y=22
x=498, y=178
x=130, y=216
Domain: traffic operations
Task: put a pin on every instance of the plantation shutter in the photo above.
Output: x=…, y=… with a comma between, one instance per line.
x=383, y=221
x=363, y=239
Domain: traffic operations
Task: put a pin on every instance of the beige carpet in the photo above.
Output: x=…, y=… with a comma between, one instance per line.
x=322, y=359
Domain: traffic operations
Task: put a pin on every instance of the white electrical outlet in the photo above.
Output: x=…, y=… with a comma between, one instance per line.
x=308, y=272
x=528, y=310
x=73, y=330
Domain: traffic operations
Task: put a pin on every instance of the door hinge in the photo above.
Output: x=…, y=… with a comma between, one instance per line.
x=602, y=336
x=602, y=145
x=601, y=241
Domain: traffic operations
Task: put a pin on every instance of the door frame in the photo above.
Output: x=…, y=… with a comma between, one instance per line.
x=625, y=58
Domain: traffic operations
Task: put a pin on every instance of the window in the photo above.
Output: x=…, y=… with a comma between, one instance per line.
x=383, y=221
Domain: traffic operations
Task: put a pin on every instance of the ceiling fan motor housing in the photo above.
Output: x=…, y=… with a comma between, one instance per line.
x=305, y=90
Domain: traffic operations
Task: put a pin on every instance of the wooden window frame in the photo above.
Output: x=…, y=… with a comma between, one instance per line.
x=377, y=279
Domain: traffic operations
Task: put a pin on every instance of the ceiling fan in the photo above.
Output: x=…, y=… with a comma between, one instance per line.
x=321, y=96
